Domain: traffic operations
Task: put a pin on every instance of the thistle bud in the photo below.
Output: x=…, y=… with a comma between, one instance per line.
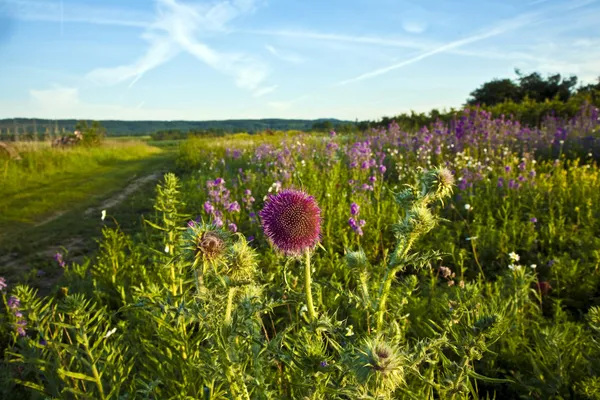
x=205, y=243
x=242, y=261
x=437, y=183
x=379, y=367
x=356, y=259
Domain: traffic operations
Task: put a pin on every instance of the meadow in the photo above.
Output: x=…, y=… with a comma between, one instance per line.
x=459, y=261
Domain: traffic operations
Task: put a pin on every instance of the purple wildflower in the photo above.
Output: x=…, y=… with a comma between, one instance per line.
x=323, y=364
x=500, y=182
x=250, y=238
x=3, y=284
x=357, y=225
x=59, y=259
x=292, y=221
x=13, y=302
x=233, y=207
x=354, y=209
x=232, y=227
x=208, y=207
x=533, y=220
x=382, y=169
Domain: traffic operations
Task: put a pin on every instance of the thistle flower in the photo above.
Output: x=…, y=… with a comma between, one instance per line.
x=292, y=221
x=355, y=259
x=438, y=183
x=243, y=260
x=203, y=242
x=379, y=366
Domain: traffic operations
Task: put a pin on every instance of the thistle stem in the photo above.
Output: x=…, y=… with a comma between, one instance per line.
x=229, y=306
x=307, y=287
x=390, y=273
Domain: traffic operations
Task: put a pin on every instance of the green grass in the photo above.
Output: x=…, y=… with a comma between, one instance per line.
x=51, y=198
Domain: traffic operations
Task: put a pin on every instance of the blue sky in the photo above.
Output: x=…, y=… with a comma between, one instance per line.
x=221, y=59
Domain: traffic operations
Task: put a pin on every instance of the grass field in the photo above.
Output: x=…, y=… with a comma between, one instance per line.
x=461, y=261
x=51, y=200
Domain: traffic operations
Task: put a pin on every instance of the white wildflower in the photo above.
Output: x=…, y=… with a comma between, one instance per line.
x=109, y=333
x=103, y=215
x=468, y=207
x=514, y=256
x=533, y=266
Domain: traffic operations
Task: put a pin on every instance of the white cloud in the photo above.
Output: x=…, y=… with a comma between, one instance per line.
x=58, y=99
x=503, y=27
x=53, y=11
x=414, y=26
x=176, y=28
x=285, y=56
x=266, y=90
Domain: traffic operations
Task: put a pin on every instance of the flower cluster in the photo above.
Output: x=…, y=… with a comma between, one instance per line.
x=219, y=204
x=21, y=323
x=354, y=222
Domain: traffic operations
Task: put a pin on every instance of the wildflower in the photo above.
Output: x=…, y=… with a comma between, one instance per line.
x=110, y=333
x=445, y=272
x=208, y=207
x=233, y=207
x=354, y=209
x=533, y=220
x=59, y=259
x=468, y=207
x=13, y=302
x=232, y=227
x=292, y=221
x=514, y=256
x=167, y=248
x=3, y=284
x=323, y=364
x=103, y=215
x=533, y=266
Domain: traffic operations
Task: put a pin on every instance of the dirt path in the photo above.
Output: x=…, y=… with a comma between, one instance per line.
x=75, y=246
x=120, y=197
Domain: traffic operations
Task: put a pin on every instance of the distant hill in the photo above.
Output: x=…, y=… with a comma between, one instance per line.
x=138, y=128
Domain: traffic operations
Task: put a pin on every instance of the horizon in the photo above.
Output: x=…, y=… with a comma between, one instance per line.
x=173, y=60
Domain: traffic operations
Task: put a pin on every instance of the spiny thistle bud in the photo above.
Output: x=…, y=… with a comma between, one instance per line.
x=356, y=259
x=379, y=366
x=421, y=219
x=242, y=261
x=205, y=242
x=438, y=183
x=406, y=197
x=485, y=323
x=292, y=221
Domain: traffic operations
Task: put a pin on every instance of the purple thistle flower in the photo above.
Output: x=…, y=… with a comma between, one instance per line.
x=3, y=284
x=292, y=221
x=354, y=209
